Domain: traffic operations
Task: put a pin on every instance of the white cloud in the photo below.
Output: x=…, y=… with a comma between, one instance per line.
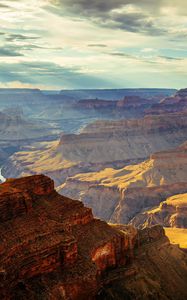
x=64, y=38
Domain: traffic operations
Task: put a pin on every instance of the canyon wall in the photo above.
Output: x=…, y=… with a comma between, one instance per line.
x=99, y=145
x=51, y=247
x=118, y=195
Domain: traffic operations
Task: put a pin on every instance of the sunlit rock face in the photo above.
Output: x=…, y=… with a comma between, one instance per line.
x=118, y=195
x=99, y=145
x=170, y=213
x=51, y=247
x=96, y=166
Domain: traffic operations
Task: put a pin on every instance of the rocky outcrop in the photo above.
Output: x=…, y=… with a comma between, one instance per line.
x=128, y=102
x=173, y=104
x=154, y=260
x=124, y=140
x=118, y=195
x=51, y=247
x=17, y=198
x=170, y=213
x=43, y=232
x=101, y=144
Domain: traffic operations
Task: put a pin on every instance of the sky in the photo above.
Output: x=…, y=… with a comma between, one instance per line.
x=66, y=44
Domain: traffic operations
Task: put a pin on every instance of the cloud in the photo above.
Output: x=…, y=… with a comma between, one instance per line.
x=8, y=52
x=97, y=45
x=80, y=43
x=131, y=21
x=96, y=7
x=20, y=37
x=122, y=54
x=103, y=6
x=3, y=6
x=137, y=16
x=170, y=58
x=46, y=73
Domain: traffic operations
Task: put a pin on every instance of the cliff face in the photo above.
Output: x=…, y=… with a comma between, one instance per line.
x=51, y=247
x=128, y=102
x=154, y=258
x=170, y=213
x=118, y=195
x=100, y=145
x=43, y=232
x=176, y=103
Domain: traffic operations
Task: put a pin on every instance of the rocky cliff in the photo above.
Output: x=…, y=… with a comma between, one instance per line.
x=51, y=247
x=124, y=139
x=118, y=195
x=170, y=213
x=172, y=104
x=127, y=103
x=101, y=144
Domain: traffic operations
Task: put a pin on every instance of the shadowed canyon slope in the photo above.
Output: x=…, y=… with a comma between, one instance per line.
x=128, y=107
x=52, y=248
x=170, y=213
x=119, y=195
x=101, y=144
x=175, y=103
x=14, y=127
x=17, y=131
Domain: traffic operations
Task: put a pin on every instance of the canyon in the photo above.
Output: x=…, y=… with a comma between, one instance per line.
x=119, y=153
x=52, y=247
x=128, y=107
x=126, y=141
x=17, y=131
x=118, y=195
x=63, y=109
x=110, y=164
x=170, y=213
x=32, y=115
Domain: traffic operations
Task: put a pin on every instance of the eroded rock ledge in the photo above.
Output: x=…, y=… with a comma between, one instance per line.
x=51, y=247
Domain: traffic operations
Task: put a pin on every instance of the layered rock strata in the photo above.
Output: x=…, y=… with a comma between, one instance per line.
x=170, y=213
x=118, y=195
x=44, y=233
x=172, y=104
x=100, y=145
x=51, y=247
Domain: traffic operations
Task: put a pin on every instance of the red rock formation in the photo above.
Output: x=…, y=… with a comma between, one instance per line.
x=51, y=247
x=43, y=232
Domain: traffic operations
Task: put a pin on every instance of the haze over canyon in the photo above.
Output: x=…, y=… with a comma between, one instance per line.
x=123, y=155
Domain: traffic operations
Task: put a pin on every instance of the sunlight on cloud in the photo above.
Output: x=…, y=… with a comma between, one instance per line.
x=100, y=38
